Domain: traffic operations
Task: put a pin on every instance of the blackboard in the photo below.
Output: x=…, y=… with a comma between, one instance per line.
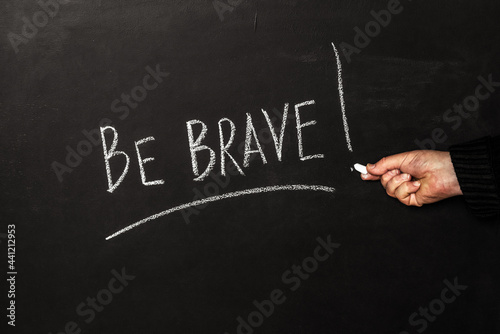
x=293, y=245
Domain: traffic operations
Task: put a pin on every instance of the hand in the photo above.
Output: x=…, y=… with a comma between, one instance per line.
x=416, y=178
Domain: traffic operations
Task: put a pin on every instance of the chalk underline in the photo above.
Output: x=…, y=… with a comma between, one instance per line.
x=259, y=190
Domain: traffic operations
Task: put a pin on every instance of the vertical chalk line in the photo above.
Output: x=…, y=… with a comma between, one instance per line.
x=342, y=101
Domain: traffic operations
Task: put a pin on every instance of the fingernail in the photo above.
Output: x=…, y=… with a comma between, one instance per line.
x=406, y=176
x=370, y=166
x=364, y=176
x=416, y=183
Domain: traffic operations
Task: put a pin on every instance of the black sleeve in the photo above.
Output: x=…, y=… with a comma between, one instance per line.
x=477, y=165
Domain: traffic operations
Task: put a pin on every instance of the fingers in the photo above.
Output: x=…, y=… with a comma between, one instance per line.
x=394, y=183
x=398, y=185
x=386, y=164
x=387, y=176
x=369, y=177
x=406, y=193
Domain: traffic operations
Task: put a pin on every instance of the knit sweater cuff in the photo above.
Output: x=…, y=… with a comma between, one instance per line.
x=477, y=165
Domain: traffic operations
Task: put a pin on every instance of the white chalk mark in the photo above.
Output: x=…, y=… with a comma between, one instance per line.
x=360, y=168
x=315, y=156
x=195, y=146
x=110, y=154
x=342, y=101
x=294, y=187
x=225, y=147
x=278, y=143
x=299, y=131
x=142, y=162
x=248, y=143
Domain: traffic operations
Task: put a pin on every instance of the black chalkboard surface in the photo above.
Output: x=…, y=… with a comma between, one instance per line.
x=205, y=210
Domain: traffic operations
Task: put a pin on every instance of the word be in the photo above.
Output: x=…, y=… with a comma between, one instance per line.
x=436, y=306
x=50, y=8
x=266, y=308
x=470, y=103
x=195, y=146
x=372, y=29
x=222, y=7
x=85, y=147
x=104, y=297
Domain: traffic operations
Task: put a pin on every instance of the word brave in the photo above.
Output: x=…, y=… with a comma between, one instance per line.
x=226, y=139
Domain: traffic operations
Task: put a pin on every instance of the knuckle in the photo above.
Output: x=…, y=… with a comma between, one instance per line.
x=386, y=177
x=405, y=201
x=404, y=177
x=401, y=197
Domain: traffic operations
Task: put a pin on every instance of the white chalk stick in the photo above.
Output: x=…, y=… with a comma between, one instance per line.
x=360, y=168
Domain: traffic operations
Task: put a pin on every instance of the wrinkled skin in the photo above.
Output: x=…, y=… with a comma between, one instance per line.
x=416, y=178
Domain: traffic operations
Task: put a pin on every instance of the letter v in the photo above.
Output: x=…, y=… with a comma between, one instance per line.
x=278, y=144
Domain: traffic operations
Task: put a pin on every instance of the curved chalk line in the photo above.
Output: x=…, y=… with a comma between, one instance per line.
x=295, y=187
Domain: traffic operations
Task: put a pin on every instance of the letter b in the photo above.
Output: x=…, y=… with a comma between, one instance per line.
x=110, y=154
x=195, y=146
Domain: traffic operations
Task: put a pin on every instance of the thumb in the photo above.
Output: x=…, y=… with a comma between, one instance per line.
x=386, y=164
